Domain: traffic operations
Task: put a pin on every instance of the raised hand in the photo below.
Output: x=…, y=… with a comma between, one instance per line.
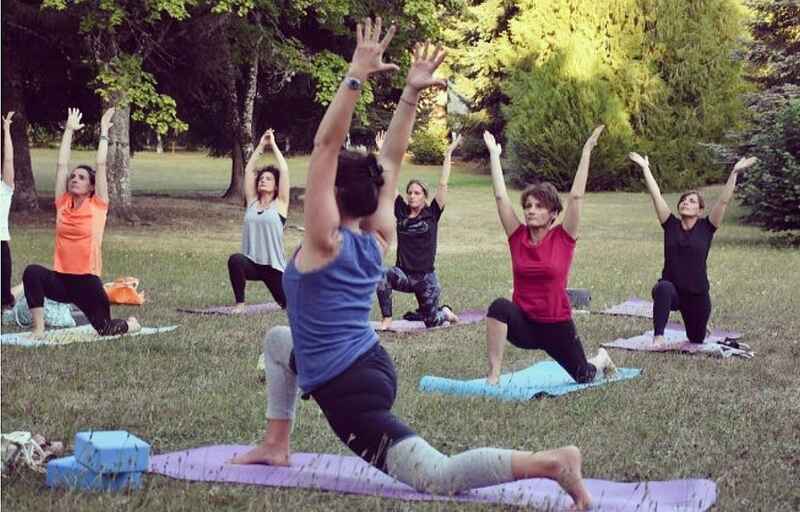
x=268, y=139
x=592, y=141
x=105, y=121
x=744, y=163
x=7, y=120
x=74, y=117
x=424, y=62
x=491, y=144
x=379, y=138
x=368, y=56
x=641, y=161
x=456, y=140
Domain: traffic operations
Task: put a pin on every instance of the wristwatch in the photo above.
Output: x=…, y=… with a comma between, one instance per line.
x=354, y=84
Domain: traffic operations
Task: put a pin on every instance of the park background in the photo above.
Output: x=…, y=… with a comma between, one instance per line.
x=692, y=84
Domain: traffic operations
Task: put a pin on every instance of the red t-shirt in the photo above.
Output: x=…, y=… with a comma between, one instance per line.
x=541, y=273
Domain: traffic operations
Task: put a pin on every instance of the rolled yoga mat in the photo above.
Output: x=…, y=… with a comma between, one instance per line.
x=466, y=317
x=81, y=334
x=351, y=475
x=543, y=378
x=250, y=309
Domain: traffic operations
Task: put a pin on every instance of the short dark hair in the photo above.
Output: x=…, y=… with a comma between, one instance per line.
x=700, y=199
x=272, y=170
x=421, y=184
x=359, y=179
x=89, y=171
x=545, y=193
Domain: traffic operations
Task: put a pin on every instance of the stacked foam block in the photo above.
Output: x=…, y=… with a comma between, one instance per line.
x=103, y=461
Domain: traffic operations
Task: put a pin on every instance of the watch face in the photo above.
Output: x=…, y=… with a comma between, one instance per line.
x=353, y=84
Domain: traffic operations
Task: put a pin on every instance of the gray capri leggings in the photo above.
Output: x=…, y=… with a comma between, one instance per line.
x=408, y=458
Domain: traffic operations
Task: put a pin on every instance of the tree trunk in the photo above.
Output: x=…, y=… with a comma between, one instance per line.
x=25, y=197
x=159, y=144
x=119, y=161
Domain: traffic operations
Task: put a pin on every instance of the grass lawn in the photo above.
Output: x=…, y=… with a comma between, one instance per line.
x=734, y=421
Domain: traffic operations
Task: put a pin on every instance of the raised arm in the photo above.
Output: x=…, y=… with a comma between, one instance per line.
x=101, y=178
x=321, y=214
x=283, y=168
x=73, y=124
x=572, y=213
x=424, y=62
x=718, y=212
x=441, y=191
x=662, y=209
x=250, y=187
x=8, y=151
x=508, y=218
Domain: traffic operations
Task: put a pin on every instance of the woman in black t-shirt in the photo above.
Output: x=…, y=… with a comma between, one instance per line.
x=684, y=280
x=417, y=229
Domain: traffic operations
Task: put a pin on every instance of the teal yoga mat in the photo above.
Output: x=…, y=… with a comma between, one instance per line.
x=543, y=378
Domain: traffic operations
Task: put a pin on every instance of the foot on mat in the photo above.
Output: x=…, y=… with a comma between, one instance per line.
x=264, y=454
x=602, y=361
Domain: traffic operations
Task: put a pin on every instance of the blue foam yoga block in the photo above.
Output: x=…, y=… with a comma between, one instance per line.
x=68, y=472
x=115, y=451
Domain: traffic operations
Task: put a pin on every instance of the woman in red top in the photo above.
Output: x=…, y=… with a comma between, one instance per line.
x=539, y=315
x=81, y=209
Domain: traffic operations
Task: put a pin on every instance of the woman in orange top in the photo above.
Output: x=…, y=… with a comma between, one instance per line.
x=81, y=210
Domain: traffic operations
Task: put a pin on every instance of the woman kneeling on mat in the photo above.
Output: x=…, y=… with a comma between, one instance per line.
x=81, y=211
x=684, y=279
x=267, y=194
x=331, y=352
x=539, y=315
x=417, y=228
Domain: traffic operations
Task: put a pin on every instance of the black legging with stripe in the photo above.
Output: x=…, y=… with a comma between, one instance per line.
x=85, y=291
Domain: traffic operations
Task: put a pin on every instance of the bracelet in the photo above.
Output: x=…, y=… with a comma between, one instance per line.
x=104, y=137
x=413, y=104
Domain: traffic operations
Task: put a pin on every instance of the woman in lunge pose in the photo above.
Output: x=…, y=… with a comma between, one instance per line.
x=331, y=352
x=417, y=230
x=539, y=315
x=684, y=279
x=81, y=210
x=266, y=192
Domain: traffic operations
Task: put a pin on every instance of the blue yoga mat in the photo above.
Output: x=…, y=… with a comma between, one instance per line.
x=543, y=378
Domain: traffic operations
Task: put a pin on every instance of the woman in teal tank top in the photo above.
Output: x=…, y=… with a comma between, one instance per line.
x=331, y=353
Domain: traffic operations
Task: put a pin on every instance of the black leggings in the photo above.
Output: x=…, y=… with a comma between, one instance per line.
x=85, y=291
x=8, y=299
x=695, y=310
x=242, y=269
x=558, y=339
x=358, y=405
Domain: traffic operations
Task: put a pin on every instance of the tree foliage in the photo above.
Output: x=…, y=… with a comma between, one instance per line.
x=658, y=73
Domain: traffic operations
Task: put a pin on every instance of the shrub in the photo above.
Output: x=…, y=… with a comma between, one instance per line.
x=429, y=144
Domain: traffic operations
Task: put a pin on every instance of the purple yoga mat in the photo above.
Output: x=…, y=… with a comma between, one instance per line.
x=468, y=316
x=354, y=476
x=675, y=341
x=631, y=307
x=250, y=309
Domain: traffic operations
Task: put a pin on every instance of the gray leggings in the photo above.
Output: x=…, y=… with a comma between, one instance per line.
x=410, y=460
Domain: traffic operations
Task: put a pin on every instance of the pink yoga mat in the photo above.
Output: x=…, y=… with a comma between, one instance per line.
x=250, y=309
x=631, y=307
x=466, y=317
x=353, y=476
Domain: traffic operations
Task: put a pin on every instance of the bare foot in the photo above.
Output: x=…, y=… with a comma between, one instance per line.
x=264, y=454
x=386, y=324
x=239, y=308
x=133, y=325
x=449, y=315
x=37, y=334
x=493, y=379
x=569, y=476
x=659, y=340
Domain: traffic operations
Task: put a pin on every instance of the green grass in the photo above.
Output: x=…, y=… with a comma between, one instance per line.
x=734, y=421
